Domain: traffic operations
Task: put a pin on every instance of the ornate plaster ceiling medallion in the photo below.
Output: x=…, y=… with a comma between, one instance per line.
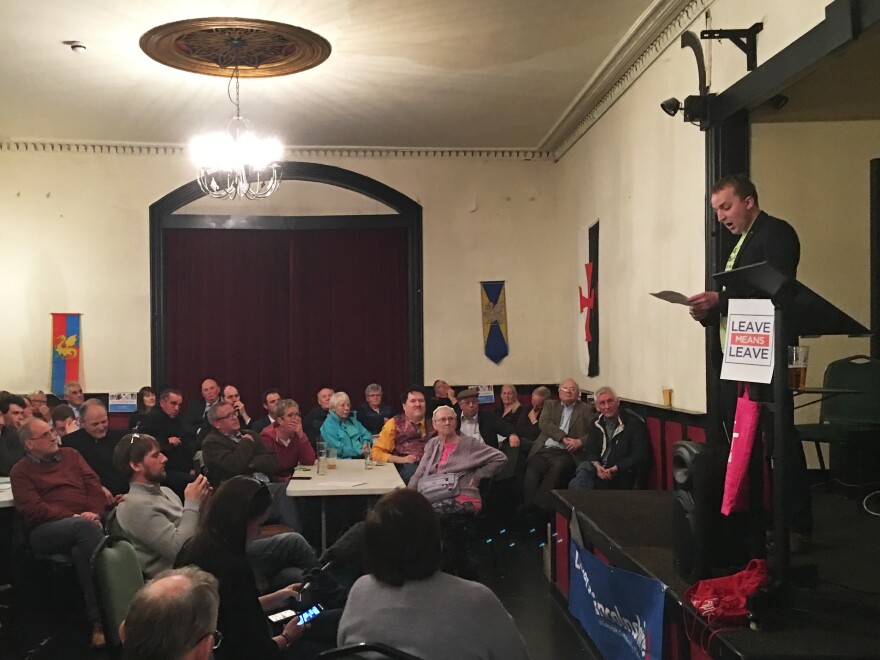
x=214, y=46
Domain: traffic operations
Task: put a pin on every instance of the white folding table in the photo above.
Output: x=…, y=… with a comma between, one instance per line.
x=350, y=477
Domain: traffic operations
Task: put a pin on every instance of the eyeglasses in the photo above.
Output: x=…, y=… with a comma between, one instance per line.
x=229, y=416
x=445, y=419
x=48, y=435
x=568, y=389
x=218, y=638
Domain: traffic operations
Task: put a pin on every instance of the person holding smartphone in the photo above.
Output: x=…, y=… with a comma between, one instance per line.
x=240, y=506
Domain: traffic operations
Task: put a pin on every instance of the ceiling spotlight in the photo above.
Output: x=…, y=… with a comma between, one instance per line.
x=779, y=101
x=75, y=46
x=671, y=106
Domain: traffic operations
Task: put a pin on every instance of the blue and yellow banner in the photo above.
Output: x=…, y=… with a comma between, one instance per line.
x=494, y=303
x=66, y=350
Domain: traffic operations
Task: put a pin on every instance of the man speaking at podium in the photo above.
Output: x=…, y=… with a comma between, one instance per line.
x=761, y=238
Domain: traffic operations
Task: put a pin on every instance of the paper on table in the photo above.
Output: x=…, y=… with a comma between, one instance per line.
x=673, y=297
x=340, y=484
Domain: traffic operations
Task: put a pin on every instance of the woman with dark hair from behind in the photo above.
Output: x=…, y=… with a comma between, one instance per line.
x=238, y=509
x=408, y=603
x=146, y=401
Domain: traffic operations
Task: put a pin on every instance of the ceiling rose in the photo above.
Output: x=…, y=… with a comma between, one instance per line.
x=214, y=46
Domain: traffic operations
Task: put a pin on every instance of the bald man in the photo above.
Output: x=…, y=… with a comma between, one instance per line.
x=194, y=422
x=174, y=615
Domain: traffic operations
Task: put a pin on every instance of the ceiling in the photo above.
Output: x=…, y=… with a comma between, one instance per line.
x=491, y=74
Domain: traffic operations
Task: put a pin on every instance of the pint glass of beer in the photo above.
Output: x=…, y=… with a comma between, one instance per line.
x=798, y=357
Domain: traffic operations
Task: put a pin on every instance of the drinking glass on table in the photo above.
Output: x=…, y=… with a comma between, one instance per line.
x=368, y=456
x=798, y=358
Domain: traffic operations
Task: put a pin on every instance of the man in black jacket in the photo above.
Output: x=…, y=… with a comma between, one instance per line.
x=484, y=425
x=762, y=238
x=616, y=447
x=164, y=423
x=97, y=442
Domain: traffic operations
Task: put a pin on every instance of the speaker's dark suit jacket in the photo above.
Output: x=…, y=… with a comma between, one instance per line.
x=551, y=416
x=769, y=239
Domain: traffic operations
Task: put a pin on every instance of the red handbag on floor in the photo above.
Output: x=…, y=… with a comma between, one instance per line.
x=745, y=427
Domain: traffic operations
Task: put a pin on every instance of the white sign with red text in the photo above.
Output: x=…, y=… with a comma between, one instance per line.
x=748, y=351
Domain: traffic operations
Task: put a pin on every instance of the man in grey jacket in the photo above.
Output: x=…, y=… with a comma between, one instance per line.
x=153, y=518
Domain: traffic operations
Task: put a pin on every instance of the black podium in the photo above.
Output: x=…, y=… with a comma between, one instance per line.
x=808, y=314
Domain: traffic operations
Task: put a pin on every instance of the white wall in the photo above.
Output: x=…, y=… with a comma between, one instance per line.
x=75, y=238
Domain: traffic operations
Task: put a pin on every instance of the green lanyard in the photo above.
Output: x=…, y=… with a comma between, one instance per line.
x=722, y=327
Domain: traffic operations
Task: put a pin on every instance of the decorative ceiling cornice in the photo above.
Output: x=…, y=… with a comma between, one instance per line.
x=660, y=25
x=292, y=153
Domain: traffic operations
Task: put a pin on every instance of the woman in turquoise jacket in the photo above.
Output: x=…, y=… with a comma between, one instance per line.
x=341, y=430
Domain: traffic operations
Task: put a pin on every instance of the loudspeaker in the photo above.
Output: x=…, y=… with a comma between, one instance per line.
x=698, y=473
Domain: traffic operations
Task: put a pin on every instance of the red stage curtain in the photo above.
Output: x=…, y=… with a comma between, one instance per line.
x=292, y=309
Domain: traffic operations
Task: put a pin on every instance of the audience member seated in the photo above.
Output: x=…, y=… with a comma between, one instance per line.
x=342, y=431
x=233, y=398
x=73, y=395
x=173, y=616
x=527, y=427
x=96, y=442
x=444, y=395
x=558, y=450
x=484, y=426
x=408, y=603
x=61, y=502
x=158, y=525
x=465, y=458
x=403, y=438
x=616, y=447
x=240, y=507
x=40, y=403
x=146, y=401
x=11, y=446
x=315, y=417
x=228, y=452
x=270, y=398
x=165, y=424
x=287, y=440
x=510, y=409
x=372, y=413
x=64, y=420
x=195, y=423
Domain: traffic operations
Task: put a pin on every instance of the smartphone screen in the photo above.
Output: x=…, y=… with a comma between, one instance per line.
x=310, y=614
x=282, y=616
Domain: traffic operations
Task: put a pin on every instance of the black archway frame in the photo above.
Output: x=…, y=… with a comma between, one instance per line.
x=408, y=213
x=727, y=149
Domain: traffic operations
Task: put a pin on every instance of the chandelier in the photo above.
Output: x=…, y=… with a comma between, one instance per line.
x=235, y=162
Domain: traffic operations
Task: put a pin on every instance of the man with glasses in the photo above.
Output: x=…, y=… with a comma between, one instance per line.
x=616, y=447
x=558, y=450
x=61, y=502
x=174, y=615
x=229, y=451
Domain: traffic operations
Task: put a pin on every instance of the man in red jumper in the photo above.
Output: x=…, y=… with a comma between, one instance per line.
x=60, y=499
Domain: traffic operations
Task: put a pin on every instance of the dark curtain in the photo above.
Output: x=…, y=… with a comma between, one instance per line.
x=297, y=310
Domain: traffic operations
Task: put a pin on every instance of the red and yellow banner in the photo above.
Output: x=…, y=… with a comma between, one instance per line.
x=66, y=350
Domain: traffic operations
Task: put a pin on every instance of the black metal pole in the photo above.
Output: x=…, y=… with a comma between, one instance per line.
x=782, y=411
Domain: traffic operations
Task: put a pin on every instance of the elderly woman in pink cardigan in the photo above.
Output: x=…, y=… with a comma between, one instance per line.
x=452, y=466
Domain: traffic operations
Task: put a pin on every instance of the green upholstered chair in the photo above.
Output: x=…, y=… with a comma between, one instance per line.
x=117, y=575
x=847, y=418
